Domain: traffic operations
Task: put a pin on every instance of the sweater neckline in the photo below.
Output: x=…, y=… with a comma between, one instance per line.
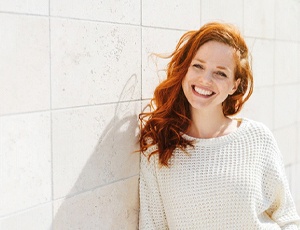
x=221, y=139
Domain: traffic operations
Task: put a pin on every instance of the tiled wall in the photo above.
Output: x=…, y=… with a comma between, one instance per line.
x=73, y=77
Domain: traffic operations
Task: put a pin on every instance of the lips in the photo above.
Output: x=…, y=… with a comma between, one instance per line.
x=203, y=92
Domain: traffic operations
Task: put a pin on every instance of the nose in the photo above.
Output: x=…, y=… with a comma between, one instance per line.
x=206, y=77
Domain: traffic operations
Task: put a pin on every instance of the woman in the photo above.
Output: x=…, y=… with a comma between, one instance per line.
x=200, y=168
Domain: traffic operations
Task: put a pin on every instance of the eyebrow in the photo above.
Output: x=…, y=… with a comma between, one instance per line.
x=219, y=67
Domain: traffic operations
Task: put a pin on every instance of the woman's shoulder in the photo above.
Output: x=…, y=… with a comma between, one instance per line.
x=258, y=130
x=256, y=126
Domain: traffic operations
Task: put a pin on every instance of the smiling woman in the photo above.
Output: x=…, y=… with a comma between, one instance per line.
x=208, y=82
x=201, y=168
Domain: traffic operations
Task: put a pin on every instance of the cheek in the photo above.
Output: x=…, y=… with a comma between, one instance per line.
x=184, y=84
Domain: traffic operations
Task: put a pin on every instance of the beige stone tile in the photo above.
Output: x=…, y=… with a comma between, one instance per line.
x=29, y=7
x=259, y=16
x=298, y=205
x=298, y=111
x=262, y=52
x=287, y=20
x=93, y=62
x=285, y=105
x=297, y=187
x=214, y=10
x=176, y=14
x=294, y=180
x=286, y=62
x=24, y=69
x=260, y=106
x=287, y=146
x=121, y=11
x=298, y=150
x=114, y=206
x=31, y=219
x=156, y=41
x=24, y=161
x=94, y=146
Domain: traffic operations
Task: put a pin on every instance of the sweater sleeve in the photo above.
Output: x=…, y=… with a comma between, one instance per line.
x=152, y=215
x=282, y=210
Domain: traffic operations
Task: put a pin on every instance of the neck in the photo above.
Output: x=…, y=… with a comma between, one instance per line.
x=209, y=124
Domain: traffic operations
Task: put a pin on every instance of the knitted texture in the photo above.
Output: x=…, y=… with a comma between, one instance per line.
x=231, y=182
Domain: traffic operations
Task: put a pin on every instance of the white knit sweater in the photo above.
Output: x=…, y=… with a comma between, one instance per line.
x=231, y=182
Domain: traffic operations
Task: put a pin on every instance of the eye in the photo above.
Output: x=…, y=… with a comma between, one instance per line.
x=198, y=66
x=220, y=73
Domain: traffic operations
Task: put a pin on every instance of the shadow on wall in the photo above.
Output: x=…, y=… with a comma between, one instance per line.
x=105, y=195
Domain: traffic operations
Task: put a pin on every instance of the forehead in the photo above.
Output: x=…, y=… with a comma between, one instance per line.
x=218, y=53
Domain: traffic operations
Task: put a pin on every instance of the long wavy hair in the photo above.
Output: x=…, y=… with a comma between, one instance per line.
x=170, y=116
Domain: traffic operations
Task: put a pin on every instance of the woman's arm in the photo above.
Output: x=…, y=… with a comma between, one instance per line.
x=152, y=215
x=282, y=210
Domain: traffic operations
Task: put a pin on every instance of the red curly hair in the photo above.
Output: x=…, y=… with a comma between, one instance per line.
x=171, y=115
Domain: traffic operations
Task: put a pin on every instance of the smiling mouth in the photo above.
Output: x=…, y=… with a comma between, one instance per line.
x=202, y=92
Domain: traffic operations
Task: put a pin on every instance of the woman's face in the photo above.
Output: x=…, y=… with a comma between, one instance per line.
x=210, y=76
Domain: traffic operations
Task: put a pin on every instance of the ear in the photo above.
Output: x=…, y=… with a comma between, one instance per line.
x=236, y=84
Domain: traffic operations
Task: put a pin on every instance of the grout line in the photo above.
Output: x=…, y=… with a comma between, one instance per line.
x=164, y=28
x=141, y=46
x=51, y=118
x=272, y=39
x=66, y=17
x=141, y=12
x=49, y=8
x=24, y=210
x=24, y=113
x=274, y=21
x=118, y=23
x=294, y=83
x=70, y=108
x=24, y=14
x=273, y=91
x=94, y=20
x=95, y=188
x=135, y=25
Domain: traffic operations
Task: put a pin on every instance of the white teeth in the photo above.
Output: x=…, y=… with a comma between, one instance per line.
x=203, y=92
